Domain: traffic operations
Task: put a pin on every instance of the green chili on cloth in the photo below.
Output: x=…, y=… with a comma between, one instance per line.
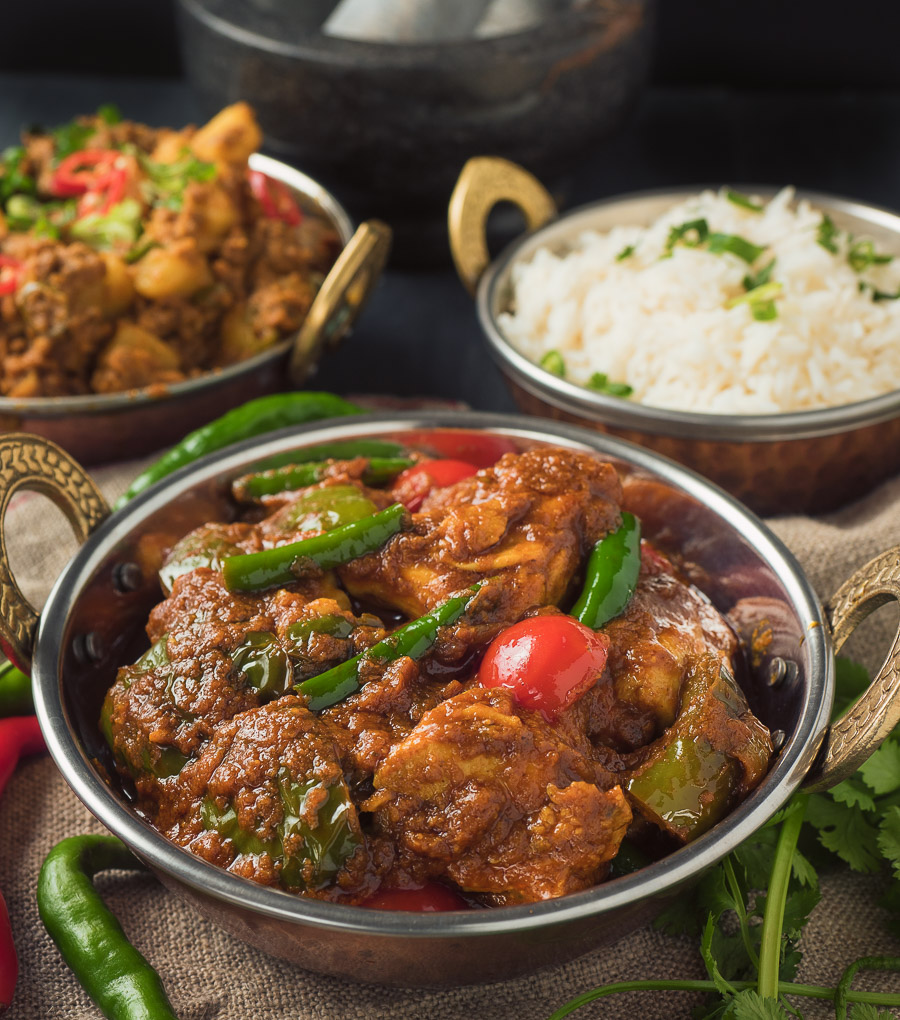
x=211, y=975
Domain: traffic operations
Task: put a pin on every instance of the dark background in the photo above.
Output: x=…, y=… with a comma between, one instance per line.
x=764, y=44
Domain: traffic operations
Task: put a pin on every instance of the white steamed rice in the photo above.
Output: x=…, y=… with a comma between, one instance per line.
x=662, y=325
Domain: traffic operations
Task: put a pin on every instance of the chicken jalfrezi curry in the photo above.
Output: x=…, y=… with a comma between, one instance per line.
x=411, y=682
x=133, y=256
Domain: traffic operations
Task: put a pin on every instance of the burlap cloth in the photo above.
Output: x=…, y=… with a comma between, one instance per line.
x=212, y=976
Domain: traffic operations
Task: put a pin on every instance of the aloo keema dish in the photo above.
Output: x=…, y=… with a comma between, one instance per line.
x=138, y=257
x=411, y=682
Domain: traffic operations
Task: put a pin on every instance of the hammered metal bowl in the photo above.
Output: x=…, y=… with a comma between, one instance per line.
x=100, y=427
x=94, y=621
x=796, y=462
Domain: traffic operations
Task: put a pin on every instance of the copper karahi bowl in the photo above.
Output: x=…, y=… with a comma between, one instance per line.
x=793, y=462
x=101, y=427
x=94, y=621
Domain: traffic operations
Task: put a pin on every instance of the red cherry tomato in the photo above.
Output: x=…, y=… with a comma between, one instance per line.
x=414, y=484
x=430, y=899
x=547, y=662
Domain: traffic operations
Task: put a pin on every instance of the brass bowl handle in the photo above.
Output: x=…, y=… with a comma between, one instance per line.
x=851, y=739
x=483, y=182
x=341, y=296
x=29, y=462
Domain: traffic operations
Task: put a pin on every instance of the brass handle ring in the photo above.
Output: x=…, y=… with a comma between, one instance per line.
x=851, y=739
x=29, y=462
x=341, y=297
x=483, y=182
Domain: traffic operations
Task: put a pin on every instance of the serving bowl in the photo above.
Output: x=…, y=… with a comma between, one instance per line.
x=94, y=621
x=800, y=461
x=116, y=426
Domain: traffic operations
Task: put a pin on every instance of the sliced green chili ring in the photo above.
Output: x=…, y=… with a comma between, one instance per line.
x=861, y=255
x=744, y=201
x=601, y=383
x=263, y=663
x=287, y=563
x=553, y=363
x=611, y=576
x=682, y=235
x=413, y=640
x=298, y=476
x=112, y=972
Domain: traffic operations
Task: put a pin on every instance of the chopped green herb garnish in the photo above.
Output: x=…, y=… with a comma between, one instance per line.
x=625, y=253
x=753, y=280
x=827, y=234
x=167, y=181
x=691, y=234
x=140, y=250
x=736, y=245
x=13, y=179
x=109, y=113
x=862, y=254
x=736, y=198
x=119, y=226
x=601, y=382
x=876, y=294
x=553, y=362
x=69, y=138
x=760, y=300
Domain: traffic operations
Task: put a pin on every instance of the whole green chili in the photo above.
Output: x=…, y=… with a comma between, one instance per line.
x=413, y=639
x=113, y=973
x=612, y=574
x=286, y=563
x=298, y=476
x=251, y=419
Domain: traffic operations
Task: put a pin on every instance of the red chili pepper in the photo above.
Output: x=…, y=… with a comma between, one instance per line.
x=82, y=171
x=109, y=191
x=414, y=484
x=10, y=274
x=19, y=735
x=275, y=198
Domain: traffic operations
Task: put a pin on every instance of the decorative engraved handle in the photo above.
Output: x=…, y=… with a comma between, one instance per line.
x=341, y=297
x=850, y=740
x=29, y=462
x=485, y=181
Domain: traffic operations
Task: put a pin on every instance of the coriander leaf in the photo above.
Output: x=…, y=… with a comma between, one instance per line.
x=109, y=113
x=803, y=871
x=553, y=362
x=866, y=1011
x=69, y=138
x=690, y=234
x=743, y=201
x=753, y=280
x=852, y=679
x=625, y=253
x=827, y=233
x=755, y=856
x=851, y=791
x=13, y=179
x=749, y=1005
x=862, y=254
x=845, y=831
x=736, y=245
x=709, y=960
x=882, y=771
x=889, y=838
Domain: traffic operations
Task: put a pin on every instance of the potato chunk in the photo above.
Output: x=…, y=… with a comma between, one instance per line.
x=177, y=271
x=230, y=137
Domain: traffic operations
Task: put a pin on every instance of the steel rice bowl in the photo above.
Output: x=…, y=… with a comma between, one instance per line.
x=97, y=428
x=792, y=462
x=751, y=576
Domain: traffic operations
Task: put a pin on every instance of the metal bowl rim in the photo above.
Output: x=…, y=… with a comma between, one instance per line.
x=104, y=403
x=678, y=868
x=568, y=396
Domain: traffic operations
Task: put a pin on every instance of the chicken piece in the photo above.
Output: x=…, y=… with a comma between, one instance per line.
x=487, y=794
x=267, y=800
x=666, y=626
x=528, y=521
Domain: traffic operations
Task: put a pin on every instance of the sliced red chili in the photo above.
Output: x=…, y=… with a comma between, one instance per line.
x=430, y=898
x=10, y=274
x=82, y=171
x=108, y=191
x=275, y=198
x=414, y=484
